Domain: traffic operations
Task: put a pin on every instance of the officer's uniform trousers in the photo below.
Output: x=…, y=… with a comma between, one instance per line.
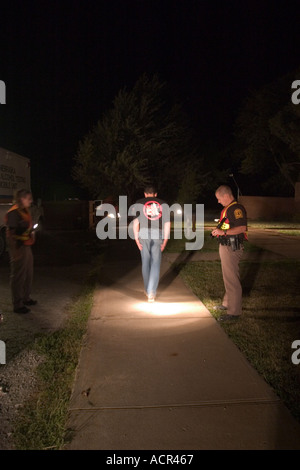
x=21, y=276
x=231, y=276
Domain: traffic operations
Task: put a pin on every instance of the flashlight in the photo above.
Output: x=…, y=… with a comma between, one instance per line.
x=35, y=226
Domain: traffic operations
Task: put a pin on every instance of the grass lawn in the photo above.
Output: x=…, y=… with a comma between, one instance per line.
x=210, y=244
x=42, y=423
x=177, y=246
x=270, y=321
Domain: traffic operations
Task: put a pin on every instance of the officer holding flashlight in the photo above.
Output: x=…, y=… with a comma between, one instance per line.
x=231, y=234
x=20, y=238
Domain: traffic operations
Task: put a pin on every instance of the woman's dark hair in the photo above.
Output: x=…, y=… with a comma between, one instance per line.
x=20, y=194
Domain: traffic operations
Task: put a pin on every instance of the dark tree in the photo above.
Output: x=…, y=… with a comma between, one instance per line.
x=144, y=138
x=267, y=138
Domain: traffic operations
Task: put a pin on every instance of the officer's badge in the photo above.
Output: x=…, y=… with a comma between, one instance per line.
x=238, y=214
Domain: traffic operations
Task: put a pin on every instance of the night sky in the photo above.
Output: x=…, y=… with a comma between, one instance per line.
x=63, y=63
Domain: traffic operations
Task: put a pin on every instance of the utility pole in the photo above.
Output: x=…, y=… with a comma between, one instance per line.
x=239, y=192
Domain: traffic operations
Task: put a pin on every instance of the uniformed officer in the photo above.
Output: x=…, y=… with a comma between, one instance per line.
x=231, y=233
x=20, y=237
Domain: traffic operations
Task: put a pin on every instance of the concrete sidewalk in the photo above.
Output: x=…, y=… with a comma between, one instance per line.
x=166, y=376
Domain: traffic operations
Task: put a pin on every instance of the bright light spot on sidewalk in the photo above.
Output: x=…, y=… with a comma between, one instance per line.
x=165, y=308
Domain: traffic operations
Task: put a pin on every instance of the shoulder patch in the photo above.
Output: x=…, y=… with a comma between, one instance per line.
x=238, y=214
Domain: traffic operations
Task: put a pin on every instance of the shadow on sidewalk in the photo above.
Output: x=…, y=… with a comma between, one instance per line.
x=183, y=258
x=121, y=259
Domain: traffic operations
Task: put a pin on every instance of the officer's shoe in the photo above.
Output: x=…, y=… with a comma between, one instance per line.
x=30, y=302
x=22, y=310
x=151, y=298
x=220, y=307
x=227, y=317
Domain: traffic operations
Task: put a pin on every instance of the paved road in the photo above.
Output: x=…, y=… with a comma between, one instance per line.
x=282, y=245
x=166, y=376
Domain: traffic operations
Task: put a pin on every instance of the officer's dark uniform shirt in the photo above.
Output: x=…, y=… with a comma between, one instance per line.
x=150, y=213
x=16, y=222
x=235, y=216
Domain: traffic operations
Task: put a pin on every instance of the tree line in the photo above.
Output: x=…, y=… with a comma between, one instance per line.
x=146, y=138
